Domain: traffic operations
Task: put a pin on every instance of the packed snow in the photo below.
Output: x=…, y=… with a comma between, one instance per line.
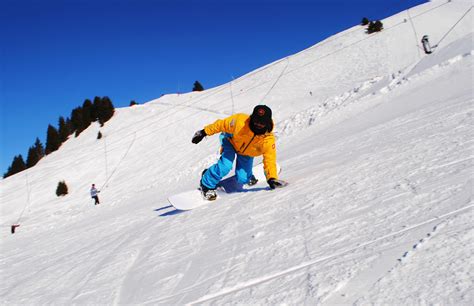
x=374, y=136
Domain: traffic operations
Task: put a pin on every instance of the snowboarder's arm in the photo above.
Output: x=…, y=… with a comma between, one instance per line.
x=269, y=158
x=226, y=125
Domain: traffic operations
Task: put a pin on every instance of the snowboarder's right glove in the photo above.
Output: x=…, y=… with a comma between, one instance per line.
x=274, y=183
x=198, y=136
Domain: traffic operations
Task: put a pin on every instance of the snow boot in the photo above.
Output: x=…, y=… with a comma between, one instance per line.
x=207, y=193
x=252, y=180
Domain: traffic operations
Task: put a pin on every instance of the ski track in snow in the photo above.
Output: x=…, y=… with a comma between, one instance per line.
x=263, y=279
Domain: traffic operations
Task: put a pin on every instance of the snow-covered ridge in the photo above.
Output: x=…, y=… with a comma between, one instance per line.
x=374, y=136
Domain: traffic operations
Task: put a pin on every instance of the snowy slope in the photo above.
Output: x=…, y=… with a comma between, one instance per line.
x=374, y=136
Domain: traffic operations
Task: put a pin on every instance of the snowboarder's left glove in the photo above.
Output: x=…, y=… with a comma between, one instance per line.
x=198, y=136
x=274, y=183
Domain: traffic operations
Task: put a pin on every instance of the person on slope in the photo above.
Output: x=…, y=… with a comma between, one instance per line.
x=247, y=137
x=94, y=195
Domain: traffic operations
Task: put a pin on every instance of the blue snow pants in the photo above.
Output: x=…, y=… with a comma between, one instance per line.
x=215, y=173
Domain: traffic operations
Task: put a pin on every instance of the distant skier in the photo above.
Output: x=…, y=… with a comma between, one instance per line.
x=247, y=137
x=94, y=195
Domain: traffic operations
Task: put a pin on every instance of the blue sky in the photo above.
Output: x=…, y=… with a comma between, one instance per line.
x=55, y=54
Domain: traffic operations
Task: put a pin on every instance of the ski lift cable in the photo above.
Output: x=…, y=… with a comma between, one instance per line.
x=126, y=135
x=107, y=145
x=431, y=49
x=367, y=38
x=120, y=161
x=285, y=71
x=455, y=24
x=106, y=162
x=331, y=53
x=164, y=114
x=27, y=204
x=414, y=31
x=278, y=78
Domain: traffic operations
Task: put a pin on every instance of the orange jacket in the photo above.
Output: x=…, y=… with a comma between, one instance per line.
x=245, y=142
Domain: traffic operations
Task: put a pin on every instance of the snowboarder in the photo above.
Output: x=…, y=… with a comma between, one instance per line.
x=247, y=137
x=94, y=195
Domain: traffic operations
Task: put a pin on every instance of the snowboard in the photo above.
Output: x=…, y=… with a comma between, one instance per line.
x=191, y=199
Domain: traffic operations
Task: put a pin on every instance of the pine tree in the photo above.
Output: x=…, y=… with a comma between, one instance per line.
x=39, y=148
x=370, y=28
x=374, y=26
x=105, y=110
x=17, y=166
x=77, y=121
x=378, y=26
x=87, y=109
x=52, y=140
x=62, y=189
x=95, y=108
x=69, y=125
x=35, y=154
x=365, y=21
x=109, y=109
x=198, y=86
x=63, y=130
x=32, y=158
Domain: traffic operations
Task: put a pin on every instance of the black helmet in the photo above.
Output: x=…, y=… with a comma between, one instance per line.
x=261, y=115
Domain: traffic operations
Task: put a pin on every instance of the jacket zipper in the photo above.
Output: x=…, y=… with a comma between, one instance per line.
x=248, y=144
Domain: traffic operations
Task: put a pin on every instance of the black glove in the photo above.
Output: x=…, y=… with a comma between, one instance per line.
x=274, y=183
x=198, y=136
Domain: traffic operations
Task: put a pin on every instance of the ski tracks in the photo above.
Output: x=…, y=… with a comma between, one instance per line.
x=205, y=269
x=121, y=257
x=297, y=268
